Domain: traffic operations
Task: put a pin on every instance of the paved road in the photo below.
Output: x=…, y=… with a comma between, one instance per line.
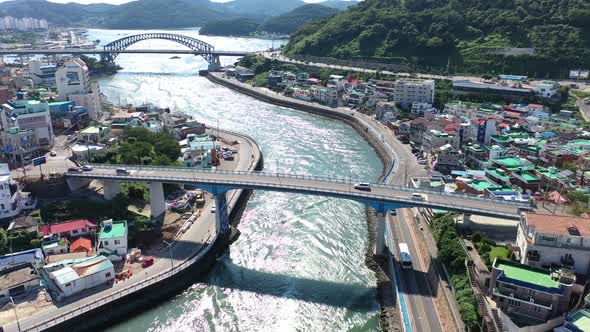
x=278, y=56
x=415, y=283
x=182, y=249
x=342, y=188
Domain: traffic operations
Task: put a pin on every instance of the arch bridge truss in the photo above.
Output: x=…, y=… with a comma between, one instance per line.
x=199, y=47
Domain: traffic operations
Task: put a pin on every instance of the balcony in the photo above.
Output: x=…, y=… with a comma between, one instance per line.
x=527, y=299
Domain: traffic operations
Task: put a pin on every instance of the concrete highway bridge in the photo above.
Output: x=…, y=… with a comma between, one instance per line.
x=381, y=197
x=111, y=50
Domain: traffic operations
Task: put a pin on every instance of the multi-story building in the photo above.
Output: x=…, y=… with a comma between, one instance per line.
x=482, y=130
x=42, y=74
x=328, y=96
x=90, y=101
x=19, y=144
x=530, y=295
x=12, y=200
x=553, y=240
x=546, y=89
x=112, y=239
x=95, y=134
x=29, y=115
x=434, y=139
x=447, y=160
x=72, y=78
x=383, y=107
x=408, y=91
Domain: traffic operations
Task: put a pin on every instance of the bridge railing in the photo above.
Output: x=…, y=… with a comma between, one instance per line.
x=129, y=289
x=196, y=171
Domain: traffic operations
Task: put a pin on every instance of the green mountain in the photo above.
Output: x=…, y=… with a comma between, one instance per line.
x=149, y=14
x=261, y=8
x=235, y=27
x=459, y=35
x=289, y=22
x=56, y=13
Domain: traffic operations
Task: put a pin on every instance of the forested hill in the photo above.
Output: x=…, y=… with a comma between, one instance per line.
x=289, y=22
x=456, y=34
x=282, y=24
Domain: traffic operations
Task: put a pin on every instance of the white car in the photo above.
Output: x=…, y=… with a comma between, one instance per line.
x=362, y=186
x=213, y=208
x=421, y=161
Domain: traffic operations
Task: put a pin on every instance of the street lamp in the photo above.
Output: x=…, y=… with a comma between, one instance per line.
x=169, y=244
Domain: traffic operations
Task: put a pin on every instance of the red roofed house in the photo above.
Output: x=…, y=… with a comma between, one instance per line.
x=82, y=244
x=71, y=228
x=546, y=240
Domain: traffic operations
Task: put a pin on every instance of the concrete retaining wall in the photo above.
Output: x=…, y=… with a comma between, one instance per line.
x=347, y=118
x=137, y=302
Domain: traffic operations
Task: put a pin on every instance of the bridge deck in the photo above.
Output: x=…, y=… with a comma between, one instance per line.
x=76, y=51
x=387, y=196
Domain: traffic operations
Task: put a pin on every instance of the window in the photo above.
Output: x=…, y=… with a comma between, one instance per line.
x=106, y=243
x=117, y=242
x=532, y=292
x=108, y=275
x=536, y=309
x=2, y=206
x=68, y=284
x=75, y=231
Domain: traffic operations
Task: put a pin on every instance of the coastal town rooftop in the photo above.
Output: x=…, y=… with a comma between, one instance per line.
x=513, y=272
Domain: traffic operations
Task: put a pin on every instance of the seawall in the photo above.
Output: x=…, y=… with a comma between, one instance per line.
x=389, y=316
x=129, y=304
x=347, y=117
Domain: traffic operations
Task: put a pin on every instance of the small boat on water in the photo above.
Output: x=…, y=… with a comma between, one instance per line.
x=175, y=57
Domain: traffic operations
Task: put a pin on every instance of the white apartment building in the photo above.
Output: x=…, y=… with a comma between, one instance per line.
x=72, y=78
x=325, y=95
x=41, y=73
x=408, y=91
x=434, y=139
x=29, y=114
x=73, y=83
x=546, y=89
x=546, y=240
x=112, y=239
x=12, y=200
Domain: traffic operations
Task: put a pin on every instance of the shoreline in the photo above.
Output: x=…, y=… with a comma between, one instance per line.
x=389, y=314
x=110, y=308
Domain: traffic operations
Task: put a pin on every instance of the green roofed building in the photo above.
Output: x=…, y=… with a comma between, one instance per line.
x=512, y=163
x=112, y=239
x=530, y=295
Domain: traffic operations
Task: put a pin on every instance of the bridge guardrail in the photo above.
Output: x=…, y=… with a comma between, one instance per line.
x=360, y=195
x=303, y=177
x=169, y=272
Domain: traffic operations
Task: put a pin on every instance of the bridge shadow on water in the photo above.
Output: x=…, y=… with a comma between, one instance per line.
x=353, y=297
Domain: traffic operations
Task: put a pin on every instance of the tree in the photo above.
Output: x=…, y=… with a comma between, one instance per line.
x=167, y=147
x=3, y=242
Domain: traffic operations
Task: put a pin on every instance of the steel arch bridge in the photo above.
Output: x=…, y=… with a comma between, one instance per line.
x=199, y=47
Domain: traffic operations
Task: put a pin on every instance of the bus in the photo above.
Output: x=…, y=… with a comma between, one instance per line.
x=405, y=258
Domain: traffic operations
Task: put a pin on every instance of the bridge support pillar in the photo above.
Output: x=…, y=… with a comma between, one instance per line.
x=221, y=213
x=111, y=189
x=157, y=200
x=215, y=65
x=77, y=184
x=380, y=233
